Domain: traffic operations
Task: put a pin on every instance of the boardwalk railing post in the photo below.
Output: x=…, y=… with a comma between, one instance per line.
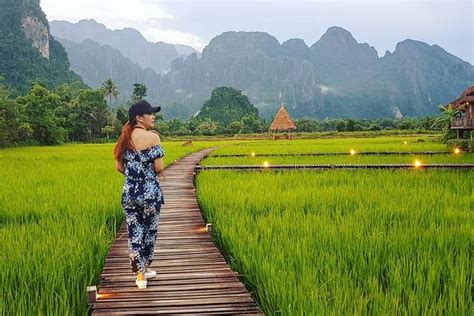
x=209, y=228
x=91, y=294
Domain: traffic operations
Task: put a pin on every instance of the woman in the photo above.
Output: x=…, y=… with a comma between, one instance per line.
x=139, y=156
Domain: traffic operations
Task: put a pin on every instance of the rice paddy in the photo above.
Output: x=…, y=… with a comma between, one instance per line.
x=345, y=241
x=59, y=212
x=308, y=242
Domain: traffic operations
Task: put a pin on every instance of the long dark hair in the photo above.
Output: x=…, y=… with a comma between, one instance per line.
x=125, y=140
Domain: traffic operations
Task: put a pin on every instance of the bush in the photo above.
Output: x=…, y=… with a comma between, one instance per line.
x=466, y=145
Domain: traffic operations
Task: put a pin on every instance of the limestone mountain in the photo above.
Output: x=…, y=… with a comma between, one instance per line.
x=335, y=77
x=28, y=52
x=252, y=62
x=96, y=63
x=128, y=41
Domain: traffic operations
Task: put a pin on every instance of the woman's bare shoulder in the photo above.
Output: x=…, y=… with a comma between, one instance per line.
x=153, y=136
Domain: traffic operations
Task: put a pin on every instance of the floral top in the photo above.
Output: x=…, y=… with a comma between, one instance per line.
x=141, y=183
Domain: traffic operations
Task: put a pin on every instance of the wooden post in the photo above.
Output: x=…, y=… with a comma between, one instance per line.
x=209, y=228
x=91, y=295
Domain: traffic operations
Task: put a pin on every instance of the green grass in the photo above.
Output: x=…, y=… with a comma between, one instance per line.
x=340, y=159
x=59, y=211
x=299, y=239
x=392, y=143
x=347, y=242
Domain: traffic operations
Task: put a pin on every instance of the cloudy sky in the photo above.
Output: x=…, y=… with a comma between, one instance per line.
x=381, y=23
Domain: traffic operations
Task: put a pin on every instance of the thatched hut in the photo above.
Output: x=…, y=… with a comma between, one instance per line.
x=464, y=119
x=282, y=123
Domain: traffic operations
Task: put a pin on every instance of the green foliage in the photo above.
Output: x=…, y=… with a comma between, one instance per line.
x=91, y=110
x=139, y=92
x=351, y=125
x=443, y=121
x=40, y=106
x=207, y=128
x=122, y=115
x=466, y=145
x=20, y=63
x=14, y=127
x=226, y=105
x=69, y=113
x=110, y=89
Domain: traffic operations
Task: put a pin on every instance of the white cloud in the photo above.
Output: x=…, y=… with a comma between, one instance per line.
x=326, y=89
x=118, y=14
x=173, y=37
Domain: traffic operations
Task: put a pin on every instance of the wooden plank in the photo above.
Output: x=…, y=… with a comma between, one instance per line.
x=131, y=288
x=231, y=298
x=234, y=308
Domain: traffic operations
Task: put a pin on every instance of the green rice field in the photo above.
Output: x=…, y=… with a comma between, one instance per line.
x=341, y=159
x=59, y=212
x=359, y=144
x=307, y=242
x=345, y=242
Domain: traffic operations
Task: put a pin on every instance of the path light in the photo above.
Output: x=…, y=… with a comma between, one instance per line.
x=252, y=154
x=91, y=294
x=417, y=163
x=266, y=164
x=457, y=151
x=209, y=227
x=103, y=295
x=200, y=230
x=353, y=152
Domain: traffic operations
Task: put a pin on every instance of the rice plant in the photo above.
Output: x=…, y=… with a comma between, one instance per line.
x=342, y=242
x=59, y=213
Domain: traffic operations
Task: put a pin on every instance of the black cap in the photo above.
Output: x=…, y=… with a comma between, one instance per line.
x=140, y=108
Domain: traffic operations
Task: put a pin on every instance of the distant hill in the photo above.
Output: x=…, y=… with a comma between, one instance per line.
x=96, y=63
x=129, y=42
x=226, y=105
x=335, y=77
x=28, y=52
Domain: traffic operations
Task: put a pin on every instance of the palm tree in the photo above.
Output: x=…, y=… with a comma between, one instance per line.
x=110, y=89
x=443, y=121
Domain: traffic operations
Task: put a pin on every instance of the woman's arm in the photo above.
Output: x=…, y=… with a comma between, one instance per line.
x=158, y=163
x=119, y=166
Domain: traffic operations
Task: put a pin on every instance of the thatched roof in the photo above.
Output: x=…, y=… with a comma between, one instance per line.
x=282, y=121
x=467, y=96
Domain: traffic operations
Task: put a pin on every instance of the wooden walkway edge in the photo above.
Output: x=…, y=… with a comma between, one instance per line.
x=192, y=275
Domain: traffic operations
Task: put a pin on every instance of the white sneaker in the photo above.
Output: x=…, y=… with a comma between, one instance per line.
x=141, y=281
x=149, y=273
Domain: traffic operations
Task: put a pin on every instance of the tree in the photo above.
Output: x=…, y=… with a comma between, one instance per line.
x=14, y=128
x=122, y=115
x=88, y=116
x=443, y=121
x=107, y=130
x=139, y=92
x=234, y=127
x=40, y=105
x=207, y=128
x=110, y=89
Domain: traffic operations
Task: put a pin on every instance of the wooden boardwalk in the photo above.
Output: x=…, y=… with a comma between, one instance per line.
x=192, y=276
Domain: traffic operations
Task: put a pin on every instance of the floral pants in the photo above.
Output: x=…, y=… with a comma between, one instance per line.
x=142, y=225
